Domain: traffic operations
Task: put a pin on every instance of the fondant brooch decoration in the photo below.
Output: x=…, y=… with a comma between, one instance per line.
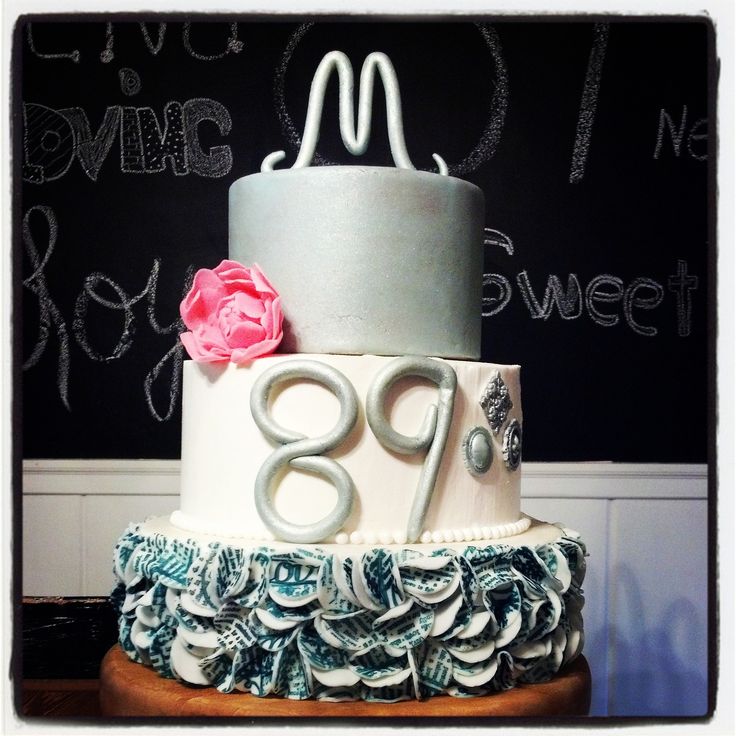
x=477, y=450
x=232, y=313
x=512, y=445
x=496, y=402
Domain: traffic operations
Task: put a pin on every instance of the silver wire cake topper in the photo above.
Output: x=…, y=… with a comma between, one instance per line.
x=355, y=142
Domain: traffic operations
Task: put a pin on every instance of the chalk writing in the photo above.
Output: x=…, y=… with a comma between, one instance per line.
x=52, y=139
x=571, y=302
x=232, y=45
x=496, y=237
x=130, y=82
x=588, y=102
x=49, y=315
x=107, y=54
x=50, y=318
x=154, y=48
x=568, y=301
x=683, y=284
x=486, y=146
x=73, y=55
x=677, y=134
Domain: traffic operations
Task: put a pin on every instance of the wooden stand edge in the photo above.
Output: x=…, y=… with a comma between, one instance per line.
x=128, y=689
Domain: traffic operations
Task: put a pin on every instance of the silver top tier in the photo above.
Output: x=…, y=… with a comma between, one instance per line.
x=367, y=259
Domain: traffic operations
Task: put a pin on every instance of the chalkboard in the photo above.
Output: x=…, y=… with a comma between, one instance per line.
x=592, y=139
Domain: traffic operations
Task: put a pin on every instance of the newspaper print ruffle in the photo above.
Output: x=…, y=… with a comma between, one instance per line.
x=382, y=626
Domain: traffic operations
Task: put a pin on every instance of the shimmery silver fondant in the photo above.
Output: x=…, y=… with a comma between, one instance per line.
x=512, y=445
x=496, y=401
x=371, y=257
x=433, y=433
x=302, y=452
x=477, y=450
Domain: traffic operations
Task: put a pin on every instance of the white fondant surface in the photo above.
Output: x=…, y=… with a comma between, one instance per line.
x=367, y=259
x=223, y=450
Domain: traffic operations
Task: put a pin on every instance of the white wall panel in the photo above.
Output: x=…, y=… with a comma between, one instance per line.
x=658, y=608
x=52, y=545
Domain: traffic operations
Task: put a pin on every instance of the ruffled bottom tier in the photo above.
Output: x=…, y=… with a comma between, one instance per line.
x=337, y=623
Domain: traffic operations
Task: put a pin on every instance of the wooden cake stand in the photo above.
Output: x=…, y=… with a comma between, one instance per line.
x=128, y=689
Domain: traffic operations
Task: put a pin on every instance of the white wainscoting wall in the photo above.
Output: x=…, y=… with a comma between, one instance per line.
x=645, y=527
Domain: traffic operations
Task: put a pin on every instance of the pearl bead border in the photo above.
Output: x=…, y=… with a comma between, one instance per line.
x=437, y=536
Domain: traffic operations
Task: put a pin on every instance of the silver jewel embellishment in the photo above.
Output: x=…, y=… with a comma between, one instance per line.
x=477, y=450
x=512, y=445
x=496, y=401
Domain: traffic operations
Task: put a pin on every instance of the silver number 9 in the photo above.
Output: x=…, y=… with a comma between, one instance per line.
x=432, y=434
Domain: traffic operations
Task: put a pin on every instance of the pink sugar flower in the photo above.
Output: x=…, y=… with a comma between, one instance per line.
x=232, y=313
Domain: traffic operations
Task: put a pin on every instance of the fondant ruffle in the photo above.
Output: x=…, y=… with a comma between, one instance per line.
x=384, y=625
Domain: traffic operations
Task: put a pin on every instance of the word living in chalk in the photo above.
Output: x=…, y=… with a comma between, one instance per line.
x=52, y=139
x=232, y=45
x=598, y=299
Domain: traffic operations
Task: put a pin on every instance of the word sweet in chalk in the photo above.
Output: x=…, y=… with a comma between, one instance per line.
x=572, y=301
x=52, y=139
x=52, y=322
x=602, y=291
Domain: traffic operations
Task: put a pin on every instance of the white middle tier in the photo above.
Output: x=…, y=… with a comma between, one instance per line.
x=223, y=450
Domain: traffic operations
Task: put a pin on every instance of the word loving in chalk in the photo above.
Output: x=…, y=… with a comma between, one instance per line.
x=52, y=139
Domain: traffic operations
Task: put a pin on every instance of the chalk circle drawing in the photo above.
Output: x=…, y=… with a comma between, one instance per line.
x=130, y=81
x=483, y=150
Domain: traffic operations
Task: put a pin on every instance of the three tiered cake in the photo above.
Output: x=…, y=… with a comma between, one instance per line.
x=349, y=523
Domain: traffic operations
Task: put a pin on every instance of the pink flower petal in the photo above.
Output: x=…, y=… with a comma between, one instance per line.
x=234, y=277
x=202, y=299
x=245, y=355
x=278, y=318
x=232, y=312
x=202, y=352
x=249, y=304
x=244, y=334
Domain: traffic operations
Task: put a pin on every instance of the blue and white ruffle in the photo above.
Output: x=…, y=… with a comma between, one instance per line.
x=383, y=626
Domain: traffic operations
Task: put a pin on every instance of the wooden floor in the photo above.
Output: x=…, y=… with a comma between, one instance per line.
x=61, y=698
